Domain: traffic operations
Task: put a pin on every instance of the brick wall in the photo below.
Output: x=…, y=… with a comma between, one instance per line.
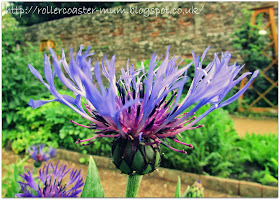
x=136, y=37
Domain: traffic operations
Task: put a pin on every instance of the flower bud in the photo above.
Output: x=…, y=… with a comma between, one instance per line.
x=131, y=156
x=37, y=164
x=196, y=190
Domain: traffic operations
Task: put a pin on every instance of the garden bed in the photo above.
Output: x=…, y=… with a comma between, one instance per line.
x=160, y=183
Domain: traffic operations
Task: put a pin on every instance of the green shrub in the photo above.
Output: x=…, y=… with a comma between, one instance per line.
x=261, y=151
x=213, y=152
x=50, y=124
x=260, y=148
x=18, y=83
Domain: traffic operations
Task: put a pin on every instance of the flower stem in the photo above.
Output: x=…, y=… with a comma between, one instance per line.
x=133, y=184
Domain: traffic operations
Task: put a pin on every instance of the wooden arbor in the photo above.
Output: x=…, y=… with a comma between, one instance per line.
x=271, y=52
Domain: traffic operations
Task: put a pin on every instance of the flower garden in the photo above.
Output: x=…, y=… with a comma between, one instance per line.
x=163, y=121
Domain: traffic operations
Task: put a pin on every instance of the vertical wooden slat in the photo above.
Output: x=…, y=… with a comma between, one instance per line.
x=273, y=31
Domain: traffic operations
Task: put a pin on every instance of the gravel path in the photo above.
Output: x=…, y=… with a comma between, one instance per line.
x=259, y=126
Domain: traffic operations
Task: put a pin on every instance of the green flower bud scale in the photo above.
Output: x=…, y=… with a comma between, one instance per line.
x=133, y=157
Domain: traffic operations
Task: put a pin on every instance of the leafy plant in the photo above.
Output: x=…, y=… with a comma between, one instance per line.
x=23, y=137
x=213, y=152
x=264, y=177
x=18, y=83
x=10, y=186
x=261, y=151
x=50, y=124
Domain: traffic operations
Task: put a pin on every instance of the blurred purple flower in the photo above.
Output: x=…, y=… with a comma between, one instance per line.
x=141, y=105
x=50, y=183
x=39, y=155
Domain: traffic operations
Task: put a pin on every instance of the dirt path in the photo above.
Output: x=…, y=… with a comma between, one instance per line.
x=114, y=183
x=258, y=126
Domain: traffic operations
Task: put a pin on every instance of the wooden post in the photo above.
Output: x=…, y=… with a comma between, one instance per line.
x=45, y=44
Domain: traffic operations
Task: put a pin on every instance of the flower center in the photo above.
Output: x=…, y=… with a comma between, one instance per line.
x=40, y=157
x=54, y=189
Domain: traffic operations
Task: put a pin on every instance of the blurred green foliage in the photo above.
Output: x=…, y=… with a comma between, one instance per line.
x=261, y=151
x=18, y=83
x=10, y=185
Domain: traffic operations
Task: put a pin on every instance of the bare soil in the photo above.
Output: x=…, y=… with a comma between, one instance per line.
x=114, y=183
x=259, y=126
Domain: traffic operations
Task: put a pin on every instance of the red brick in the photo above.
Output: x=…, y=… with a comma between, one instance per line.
x=229, y=13
x=155, y=34
x=90, y=37
x=119, y=31
x=171, y=33
x=148, y=27
x=210, y=16
x=154, y=21
x=135, y=40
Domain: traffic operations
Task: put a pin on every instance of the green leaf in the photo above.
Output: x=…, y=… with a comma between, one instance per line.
x=186, y=192
x=15, y=173
x=92, y=186
x=178, y=188
x=9, y=118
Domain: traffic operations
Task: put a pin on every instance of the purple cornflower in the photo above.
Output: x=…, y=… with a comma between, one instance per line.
x=39, y=155
x=141, y=106
x=50, y=183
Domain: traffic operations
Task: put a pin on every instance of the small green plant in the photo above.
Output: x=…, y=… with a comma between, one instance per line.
x=264, y=177
x=196, y=190
x=10, y=185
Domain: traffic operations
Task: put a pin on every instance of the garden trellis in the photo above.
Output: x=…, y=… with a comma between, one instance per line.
x=269, y=72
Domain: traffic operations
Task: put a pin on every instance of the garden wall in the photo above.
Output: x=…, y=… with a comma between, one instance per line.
x=136, y=37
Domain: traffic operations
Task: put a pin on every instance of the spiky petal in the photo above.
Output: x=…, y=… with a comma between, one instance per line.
x=51, y=182
x=140, y=104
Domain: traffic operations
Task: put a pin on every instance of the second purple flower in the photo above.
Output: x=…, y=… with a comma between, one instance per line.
x=39, y=154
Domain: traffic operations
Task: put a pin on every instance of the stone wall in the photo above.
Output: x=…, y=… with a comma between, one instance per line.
x=136, y=37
